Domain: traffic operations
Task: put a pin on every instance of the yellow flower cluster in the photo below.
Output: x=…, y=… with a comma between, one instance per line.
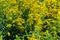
x=40, y=18
x=8, y=25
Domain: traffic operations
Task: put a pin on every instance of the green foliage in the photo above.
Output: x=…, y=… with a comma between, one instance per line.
x=29, y=20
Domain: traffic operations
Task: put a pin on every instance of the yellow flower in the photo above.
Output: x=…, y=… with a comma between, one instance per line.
x=54, y=28
x=37, y=16
x=38, y=27
x=10, y=18
x=31, y=15
x=12, y=1
x=9, y=25
x=59, y=12
x=21, y=27
x=36, y=5
x=54, y=0
x=13, y=21
x=48, y=1
x=8, y=33
x=2, y=0
x=39, y=22
x=32, y=38
x=19, y=23
x=19, y=20
x=58, y=16
x=47, y=32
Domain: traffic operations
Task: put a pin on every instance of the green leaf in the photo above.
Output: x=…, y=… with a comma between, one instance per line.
x=17, y=38
x=1, y=35
x=42, y=17
x=41, y=0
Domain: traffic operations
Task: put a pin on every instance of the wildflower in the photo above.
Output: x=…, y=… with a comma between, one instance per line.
x=38, y=27
x=39, y=22
x=12, y=1
x=32, y=38
x=54, y=28
x=54, y=1
x=19, y=23
x=8, y=33
x=47, y=32
x=13, y=21
x=59, y=12
x=9, y=25
x=10, y=18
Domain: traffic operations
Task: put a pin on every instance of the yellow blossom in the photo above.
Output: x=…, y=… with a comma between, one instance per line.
x=54, y=28
x=32, y=38
x=38, y=27
x=39, y=22
x=8, y=33
x=10, y=18
x=59, y=12
x=47, y=32
x=9, y=25
x=19, y=23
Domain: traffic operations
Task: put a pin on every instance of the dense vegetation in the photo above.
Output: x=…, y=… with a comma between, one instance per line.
x=29, y=19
